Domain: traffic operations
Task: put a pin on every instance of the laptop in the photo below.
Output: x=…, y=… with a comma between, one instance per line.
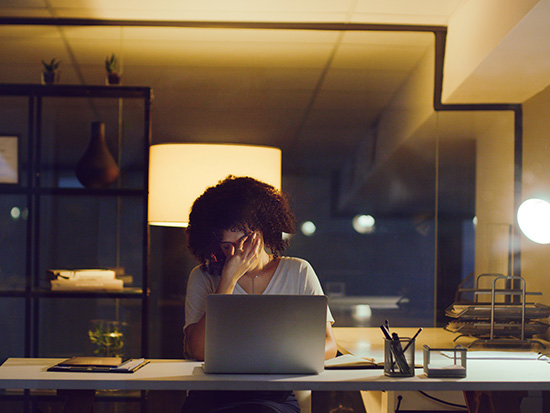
x=264, y=334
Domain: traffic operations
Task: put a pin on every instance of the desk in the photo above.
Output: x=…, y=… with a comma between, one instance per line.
x=501, y=375
x=18, y=373
x=368, y=342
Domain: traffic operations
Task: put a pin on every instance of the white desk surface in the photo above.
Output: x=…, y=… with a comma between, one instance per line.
x=20, y=373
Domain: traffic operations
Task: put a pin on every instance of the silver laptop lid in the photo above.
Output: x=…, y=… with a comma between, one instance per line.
x=282, y=334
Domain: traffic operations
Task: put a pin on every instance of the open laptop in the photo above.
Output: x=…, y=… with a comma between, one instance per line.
x=283, y=334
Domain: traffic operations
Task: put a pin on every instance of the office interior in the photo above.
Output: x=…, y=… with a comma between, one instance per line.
x=428, y=116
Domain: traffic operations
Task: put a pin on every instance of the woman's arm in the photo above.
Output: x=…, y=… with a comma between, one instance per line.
x=194, y=340
x=238, y=263
x=330, y=343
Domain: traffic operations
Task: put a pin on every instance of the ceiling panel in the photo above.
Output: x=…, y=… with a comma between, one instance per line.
x=313, y=93
x=244, y=10
x=373, y=81
x=374, y=57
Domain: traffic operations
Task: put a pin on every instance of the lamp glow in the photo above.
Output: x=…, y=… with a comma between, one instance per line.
x=534, y=220
x=180, y=172
x=308, y=228
x=363, y=224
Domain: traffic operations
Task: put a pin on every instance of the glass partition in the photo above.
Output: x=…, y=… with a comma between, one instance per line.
x=353, y=114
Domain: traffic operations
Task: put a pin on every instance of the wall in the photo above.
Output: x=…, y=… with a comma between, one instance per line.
x=475, y=31
x=535, y=262
x=494, y=192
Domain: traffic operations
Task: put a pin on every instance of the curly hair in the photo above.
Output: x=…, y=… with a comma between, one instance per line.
x=237, y=204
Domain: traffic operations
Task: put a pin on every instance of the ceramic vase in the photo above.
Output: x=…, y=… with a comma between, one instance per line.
x=97, y=167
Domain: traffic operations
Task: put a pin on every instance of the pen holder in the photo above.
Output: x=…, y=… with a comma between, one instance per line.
x=399, y=357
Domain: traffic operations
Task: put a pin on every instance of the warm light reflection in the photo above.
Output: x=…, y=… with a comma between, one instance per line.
x=15, y=213
x=308, y=228
x=534, y=220
x=286, y=236
x=362, y=313
x=363, y=224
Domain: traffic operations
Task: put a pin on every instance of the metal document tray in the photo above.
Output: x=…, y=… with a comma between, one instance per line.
x=468, y=311
x=482, y=329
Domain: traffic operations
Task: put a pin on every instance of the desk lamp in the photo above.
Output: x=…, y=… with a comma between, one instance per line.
x=180, y=172
x=534, y=220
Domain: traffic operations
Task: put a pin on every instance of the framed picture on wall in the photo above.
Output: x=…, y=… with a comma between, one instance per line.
x=9, y=159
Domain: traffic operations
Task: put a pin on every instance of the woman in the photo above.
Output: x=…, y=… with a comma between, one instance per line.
x=232, y=226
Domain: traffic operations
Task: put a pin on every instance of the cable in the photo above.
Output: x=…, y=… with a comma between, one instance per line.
x=399, y=398
x=442, y=401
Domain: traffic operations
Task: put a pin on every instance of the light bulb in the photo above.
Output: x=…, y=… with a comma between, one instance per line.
x=534, y=220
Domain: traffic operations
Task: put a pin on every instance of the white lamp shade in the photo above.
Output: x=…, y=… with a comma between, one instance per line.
x=180, y=172
x=534, y=220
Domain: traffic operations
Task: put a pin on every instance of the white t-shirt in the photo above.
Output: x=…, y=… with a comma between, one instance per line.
x=293, y=276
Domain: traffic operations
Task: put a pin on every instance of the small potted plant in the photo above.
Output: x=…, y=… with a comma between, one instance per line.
x=111, y=66
x=50, y=73
x=107, y=337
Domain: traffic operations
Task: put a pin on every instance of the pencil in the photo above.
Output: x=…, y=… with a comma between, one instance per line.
x=412, y=339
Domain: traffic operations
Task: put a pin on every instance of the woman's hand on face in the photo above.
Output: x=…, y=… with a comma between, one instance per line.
x=243, y=257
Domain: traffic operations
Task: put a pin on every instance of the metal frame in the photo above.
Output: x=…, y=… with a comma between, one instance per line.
x=33, y=192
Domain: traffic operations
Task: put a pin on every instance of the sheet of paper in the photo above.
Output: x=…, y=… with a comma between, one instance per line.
x=500, y=355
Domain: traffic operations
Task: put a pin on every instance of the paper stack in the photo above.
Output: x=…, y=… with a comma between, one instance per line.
x=84, y=279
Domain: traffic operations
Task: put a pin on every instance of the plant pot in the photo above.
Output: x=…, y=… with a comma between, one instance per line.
x=97, y=167
x=50, y=78
x=112, y=78
x=107, y=337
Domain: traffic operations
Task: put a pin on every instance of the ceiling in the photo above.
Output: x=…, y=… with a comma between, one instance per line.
x=313, y=93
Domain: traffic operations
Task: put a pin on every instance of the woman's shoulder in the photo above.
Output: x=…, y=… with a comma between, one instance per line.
x=199, y=273
x=201, y=280
x=198, y=270
x=295, y=262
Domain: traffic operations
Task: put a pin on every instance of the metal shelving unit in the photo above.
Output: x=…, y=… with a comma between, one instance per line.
x=37, y=192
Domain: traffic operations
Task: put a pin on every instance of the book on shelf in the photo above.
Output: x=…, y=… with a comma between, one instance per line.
x=86, y=285
x=82, y=274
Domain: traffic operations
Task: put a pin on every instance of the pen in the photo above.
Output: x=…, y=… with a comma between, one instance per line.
x=385, y=331
x=399, y=354
x=412, y=339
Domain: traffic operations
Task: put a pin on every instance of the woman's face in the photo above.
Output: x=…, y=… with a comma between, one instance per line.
x=234, y=240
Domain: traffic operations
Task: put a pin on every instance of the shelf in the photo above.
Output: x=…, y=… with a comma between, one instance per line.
x=12, y=293
x=16, y=189
x=138, y=92
x=91, y=192
x=127, y=293
x=69, y=225
x=19, y=189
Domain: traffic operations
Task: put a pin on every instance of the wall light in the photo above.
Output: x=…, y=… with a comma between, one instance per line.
x=308, y=228
x=180, y=172
x=534, y=220
x=363, y=224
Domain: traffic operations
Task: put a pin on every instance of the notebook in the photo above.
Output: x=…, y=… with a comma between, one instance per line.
x=99, y=365
x=264, y=334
